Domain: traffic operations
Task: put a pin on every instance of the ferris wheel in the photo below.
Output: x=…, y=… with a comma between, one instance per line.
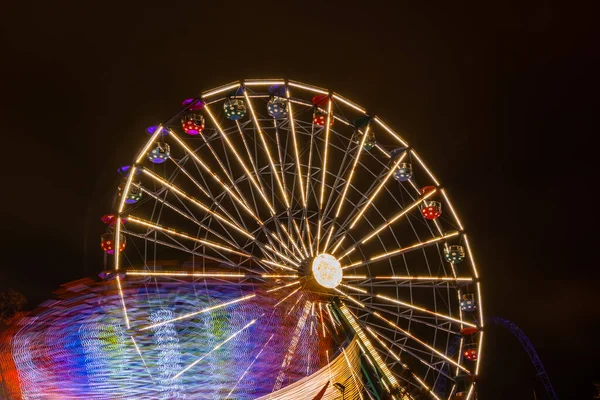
x=294, y=196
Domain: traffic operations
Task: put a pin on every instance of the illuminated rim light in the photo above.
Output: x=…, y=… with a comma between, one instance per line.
x=327, y=271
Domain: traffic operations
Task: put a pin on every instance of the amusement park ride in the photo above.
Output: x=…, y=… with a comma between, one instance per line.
x=273, y=240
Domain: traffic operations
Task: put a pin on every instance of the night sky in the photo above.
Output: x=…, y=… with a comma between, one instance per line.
x=496, y=97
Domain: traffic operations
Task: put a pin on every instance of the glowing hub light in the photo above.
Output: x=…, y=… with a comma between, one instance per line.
x=327, y=270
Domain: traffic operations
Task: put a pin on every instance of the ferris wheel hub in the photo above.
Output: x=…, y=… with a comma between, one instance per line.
x=327, y=271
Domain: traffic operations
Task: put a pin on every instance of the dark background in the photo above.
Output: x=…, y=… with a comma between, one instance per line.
x=497, y=97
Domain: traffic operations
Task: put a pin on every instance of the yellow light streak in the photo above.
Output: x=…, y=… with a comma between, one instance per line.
x=267, y=151
x=414, y=246
x=171, y=231
x=276, y=264
x=263, y=82
x=389, y=350
x=354, y=277
x=296, y=152
x=351, y=174
x=414, y=153
x=214, y=349
x=471, y=258
x=406, y=333
x=292, y=241
x=331, y=317
x=286, y=297
x=205, y=310
x=480, y=305
x=349, y=251
x=349, y=103
x=199, y=204
x=328, y=238
x=381, y=185
x=398, y=216
x=407, y=305
x=339, y=243
x=480, y=349
x=449, y=204
x=142, y=153
x=183, y=214
x=471, y=391
x=353, y=288
x=351, y=265
x=282, y=287
x=241, y=161
x=367, y=343
x=385, y=346
x=123, y=302
x=325, y=152
x=126, y=189
x=391, y=132
x=297, y=229
x=308, y=235
x=220, y=90
x=352, y=374
x=117, y=242
x=307, y=87
x=278, y=276
x=281, y=242
x=425, y=278
x=350, y=298
x=215, y=177
x=185, y=273
x=281, y=255
x=322, y=320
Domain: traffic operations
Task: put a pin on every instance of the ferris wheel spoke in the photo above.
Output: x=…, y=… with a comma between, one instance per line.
x=275, y=174
x=373, y=195
x=282, y=163
x=299, y=174
x=325, y=153
x=184, y=249
x=419, y=341
x=186, y=274
x=216, y=200
x=232, y=223
x=388, y=223
x=422, y=309
x=238, y=199
x=190, y=217
x=390, y=132
x=283, y=245
x=173, y=232
x=385, y=256
x=240, y=160
x=378, y=337
x=346, y=187
x=399, y=280
x=416, y=156
x=265, y=144
x=403, y=348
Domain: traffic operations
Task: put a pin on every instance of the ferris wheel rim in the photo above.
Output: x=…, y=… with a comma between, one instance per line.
x=302, y=248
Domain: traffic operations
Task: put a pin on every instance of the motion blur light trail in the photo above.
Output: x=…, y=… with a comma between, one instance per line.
x=79, y=347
